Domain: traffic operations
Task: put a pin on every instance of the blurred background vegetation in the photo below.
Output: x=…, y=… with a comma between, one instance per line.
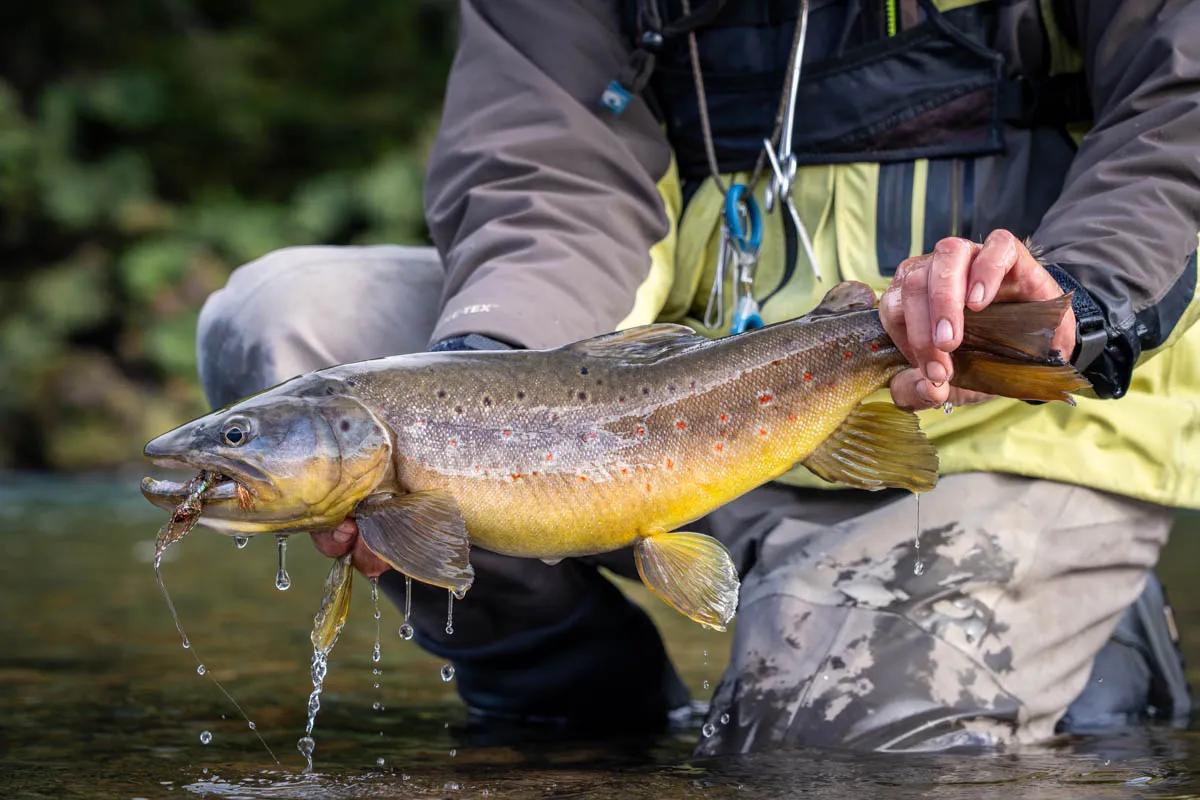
x=147, y=147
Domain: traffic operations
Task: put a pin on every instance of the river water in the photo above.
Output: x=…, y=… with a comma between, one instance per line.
x=98, y=699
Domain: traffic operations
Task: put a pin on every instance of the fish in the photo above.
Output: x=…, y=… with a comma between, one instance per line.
x=621, y=440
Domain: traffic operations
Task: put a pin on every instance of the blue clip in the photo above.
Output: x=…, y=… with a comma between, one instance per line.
x=746, y=315
x=746, y=241
x=616, y=97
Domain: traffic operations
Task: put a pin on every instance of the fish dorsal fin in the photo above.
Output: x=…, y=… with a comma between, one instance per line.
x=643, y=343
x=847, y=296
x=879, y=446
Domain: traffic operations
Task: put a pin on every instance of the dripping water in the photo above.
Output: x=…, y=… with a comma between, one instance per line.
x=406, y=629
x=450, y=613
x=240, y=542
x=306, y=744
x=918, y=564
x=376, y=655
x=200, y=668
x=283, y=581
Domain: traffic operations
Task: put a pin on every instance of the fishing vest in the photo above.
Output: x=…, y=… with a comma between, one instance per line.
x=903, y=108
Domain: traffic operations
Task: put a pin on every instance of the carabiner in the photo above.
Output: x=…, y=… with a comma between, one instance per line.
x=738, y=197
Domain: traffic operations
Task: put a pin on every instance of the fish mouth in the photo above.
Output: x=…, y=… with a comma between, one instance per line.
x=233, y=485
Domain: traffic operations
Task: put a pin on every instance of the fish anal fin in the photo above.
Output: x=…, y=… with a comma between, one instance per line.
x=692, y=573
x=879, y=446
x=335, y=605
x=640, y=344
x=422, y=534
x=847, y=296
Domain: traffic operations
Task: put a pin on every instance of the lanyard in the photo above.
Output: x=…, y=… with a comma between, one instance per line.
x=741, y=222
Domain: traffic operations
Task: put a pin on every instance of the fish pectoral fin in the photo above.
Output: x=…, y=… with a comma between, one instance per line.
x=878, y=446
x=693, y=573
x=847, y=296
x=422, y=534
x=335, y=605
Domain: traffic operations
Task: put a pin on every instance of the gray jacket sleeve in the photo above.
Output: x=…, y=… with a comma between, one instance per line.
x=542, y=203
x=1124, y=228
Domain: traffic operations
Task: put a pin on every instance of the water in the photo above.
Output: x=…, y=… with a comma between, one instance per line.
x=240, y=542
x=100, y=701
x=406, y=629
x=447, y=672
x=918, y=564
x=449, y=613
x=283, y=581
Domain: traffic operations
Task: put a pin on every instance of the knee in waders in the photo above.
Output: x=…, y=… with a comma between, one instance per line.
x=1138, y=674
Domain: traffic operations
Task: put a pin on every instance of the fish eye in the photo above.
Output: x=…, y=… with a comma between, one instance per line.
x=236, y=433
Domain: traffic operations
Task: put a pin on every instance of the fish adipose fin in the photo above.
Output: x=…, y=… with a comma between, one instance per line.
x=422, y=535
x=641, y=344
x=879, y=446
x=844, y=298
x=693, y=573
x=1006, y=351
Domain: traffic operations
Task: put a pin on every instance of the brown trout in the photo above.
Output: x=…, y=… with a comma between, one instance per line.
x=613, y=441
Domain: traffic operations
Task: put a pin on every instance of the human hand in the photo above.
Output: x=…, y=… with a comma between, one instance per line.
x=922, y=309
x=344, y=539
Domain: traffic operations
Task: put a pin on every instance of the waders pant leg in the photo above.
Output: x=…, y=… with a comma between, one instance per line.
x=530, y=641
x=854, y=632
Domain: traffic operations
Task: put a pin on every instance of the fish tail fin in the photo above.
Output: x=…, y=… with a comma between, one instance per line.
x=1006, y=351
x=692, y=573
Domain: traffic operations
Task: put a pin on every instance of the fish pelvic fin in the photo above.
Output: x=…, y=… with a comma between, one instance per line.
x=1006, y=351
x=335, y=605
x=692, y=573
x=422, y=535
x=879, y=446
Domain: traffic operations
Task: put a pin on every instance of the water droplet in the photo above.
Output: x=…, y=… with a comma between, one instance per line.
x=186, y=643
x=708, y=730
x=974, y=629
x=724, y=719
x=704, y=685
x=459, y=593
x=919, y=568
x=376, y=686
x=241, y=541
x=376, y=706
x=200, y=669
x=450, y=613
x=283, y=581
x=250, y=724
x=453, y=753
x=961, y=603
x=379, y=762
x=306, y=746
x=918, y=565
x=375, y=655
x=205, y=737
x=1099, y=680
x=948, y=407
x=447, y=672
x=406, y=631
x=377, y=613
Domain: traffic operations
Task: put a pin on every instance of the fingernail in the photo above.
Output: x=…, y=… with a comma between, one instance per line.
x=944, y=331
x=342, y=536
x=936, y=373
x=976, y=293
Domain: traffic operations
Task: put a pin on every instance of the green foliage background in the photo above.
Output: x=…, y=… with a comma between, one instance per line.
x=149, y=147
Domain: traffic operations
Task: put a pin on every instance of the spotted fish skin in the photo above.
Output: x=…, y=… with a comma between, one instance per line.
x=588, y=448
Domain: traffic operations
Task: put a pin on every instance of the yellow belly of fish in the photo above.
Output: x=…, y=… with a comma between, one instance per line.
x=677, y=480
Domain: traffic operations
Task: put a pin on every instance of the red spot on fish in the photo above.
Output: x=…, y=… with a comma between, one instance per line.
x=874, y=347
x=762, y=431
x=724, y=418
x=590, y=436
x=641, y=431
x=765, y=398
x=516, y=476
x=791, y=417
x=808, y=376
x=681, y=424
x=624, y=470
x=583, y=478
x=847, y=355
x=454, y=442
x=718, y=447
x=670, y=464
x=506, y=433
x=549, y=456
x=647, y=487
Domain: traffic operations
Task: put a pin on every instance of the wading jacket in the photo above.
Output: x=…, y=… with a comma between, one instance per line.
x=1074, y=122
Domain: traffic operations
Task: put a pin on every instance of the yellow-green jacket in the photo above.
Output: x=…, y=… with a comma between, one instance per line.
x=918, y=119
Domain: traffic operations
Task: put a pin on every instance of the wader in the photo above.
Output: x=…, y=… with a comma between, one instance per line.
x=1012, y=602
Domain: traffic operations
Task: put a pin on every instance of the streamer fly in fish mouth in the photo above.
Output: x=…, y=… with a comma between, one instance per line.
x=610, y=442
